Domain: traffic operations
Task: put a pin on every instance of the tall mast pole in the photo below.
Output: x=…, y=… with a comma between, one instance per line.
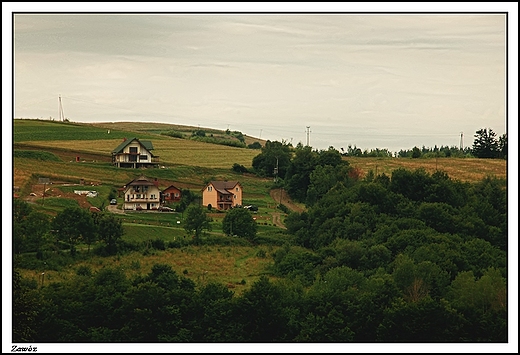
x=60, y=113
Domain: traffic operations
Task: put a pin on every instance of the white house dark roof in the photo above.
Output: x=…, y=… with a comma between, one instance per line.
x=140, y=181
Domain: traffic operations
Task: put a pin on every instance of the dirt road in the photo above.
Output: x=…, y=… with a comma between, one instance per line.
x=286, y=200
x=114, y=209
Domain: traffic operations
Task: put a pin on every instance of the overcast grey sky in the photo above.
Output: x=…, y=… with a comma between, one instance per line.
x=372, y=80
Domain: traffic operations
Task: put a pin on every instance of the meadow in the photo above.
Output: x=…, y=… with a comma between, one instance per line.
x=236, y=266
x=49, y=149
x=463, y=169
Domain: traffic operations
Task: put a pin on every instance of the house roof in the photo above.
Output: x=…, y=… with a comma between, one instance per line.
x=224, y=186
x=140, y=181
x=172, y=187
x=146, y=144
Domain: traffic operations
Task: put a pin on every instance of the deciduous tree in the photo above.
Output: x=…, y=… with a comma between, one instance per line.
x=239, y=221
x=72, y=225
x=196, y=221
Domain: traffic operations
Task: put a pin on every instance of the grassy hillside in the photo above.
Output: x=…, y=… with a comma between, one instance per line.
x=185, y=162
x=49, y=149
x=464, y=169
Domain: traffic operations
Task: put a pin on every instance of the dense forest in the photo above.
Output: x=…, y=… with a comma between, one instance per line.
x=411, y=257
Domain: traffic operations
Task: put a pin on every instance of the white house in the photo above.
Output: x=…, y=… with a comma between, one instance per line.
x=142, y=194
x=134, y=153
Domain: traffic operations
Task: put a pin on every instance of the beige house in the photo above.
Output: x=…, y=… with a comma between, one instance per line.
x=222, y=195
x=142, y=194
x=134, y=153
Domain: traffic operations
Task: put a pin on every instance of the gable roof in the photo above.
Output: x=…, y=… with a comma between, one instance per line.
x=171, y=186
x=224, y=186
x=146, y=144
x=140, y=181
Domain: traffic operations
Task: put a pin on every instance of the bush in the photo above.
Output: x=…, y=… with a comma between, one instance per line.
x=173, y=134
x=84, y=270
x=239, y=168
x=158, y=244
x=284, y=208
x=135, y=265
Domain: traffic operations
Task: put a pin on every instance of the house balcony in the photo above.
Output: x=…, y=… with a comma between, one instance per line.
x=143, y=200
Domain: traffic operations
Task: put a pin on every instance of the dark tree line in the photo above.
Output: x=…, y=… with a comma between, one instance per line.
x=410, y=257
x=488, y=145
x=34, y=231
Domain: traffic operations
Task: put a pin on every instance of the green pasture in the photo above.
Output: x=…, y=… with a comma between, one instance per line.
x=43, y=130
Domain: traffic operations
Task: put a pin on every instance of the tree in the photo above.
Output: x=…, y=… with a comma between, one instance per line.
x=299, y=171
x=21, y=211
x=196, y=221
x=25, y=310
x=273, y=153
x=502, y=146
x=416, y=152
x=485, y=144
x=37, y=226
x=254, y=145
x=239, y=221
x=112, y=194
x=72, y=225
x=110, y=231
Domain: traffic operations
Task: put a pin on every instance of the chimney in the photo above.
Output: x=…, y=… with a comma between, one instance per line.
x=124, y=139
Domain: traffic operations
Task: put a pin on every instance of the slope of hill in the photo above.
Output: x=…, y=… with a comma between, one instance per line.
x=183, y=161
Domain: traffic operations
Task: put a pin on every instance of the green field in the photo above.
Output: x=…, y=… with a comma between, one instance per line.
x=49, y=149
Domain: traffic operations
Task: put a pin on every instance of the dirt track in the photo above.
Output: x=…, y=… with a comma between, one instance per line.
x=286, y=200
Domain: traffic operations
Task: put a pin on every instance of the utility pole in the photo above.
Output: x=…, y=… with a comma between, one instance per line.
x=308, y=132
x=461, y=141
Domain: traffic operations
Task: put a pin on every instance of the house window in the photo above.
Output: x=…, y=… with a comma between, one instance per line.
x=152, y=196
x=210, y=188
x=143, y=157
x=176, y=194
x=237, y=189
x=133, y=150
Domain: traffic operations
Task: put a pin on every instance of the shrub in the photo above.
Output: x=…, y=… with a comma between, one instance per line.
x=84, y=270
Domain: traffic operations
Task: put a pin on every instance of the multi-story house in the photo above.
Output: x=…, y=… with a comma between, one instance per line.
x=222, y=195
x=142, y=194
x=134, y=153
